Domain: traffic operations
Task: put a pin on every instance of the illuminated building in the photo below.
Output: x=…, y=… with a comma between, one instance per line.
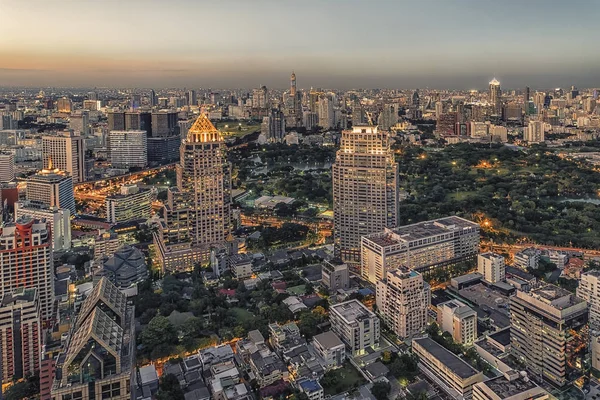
x=21, y=334
x=294, y=108
x=58, y=219
x=26, y=260
x=7, y=167
x=66, y=151
x=496, y=96
x=546, y=331
x=198, y=210
x=98, y=361
x=273, y=126
x=356, y=325
x=492, y=267
x=129, y=205
x=534, y=132
x=403, y=299
x=589, y=290
x=458, y=319
x=365, y=189
x=64, y=105
x=128, y=149
x=54, y=188
x=326, y=113
x=422, y=246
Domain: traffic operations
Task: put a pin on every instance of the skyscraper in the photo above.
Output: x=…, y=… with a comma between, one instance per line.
x=526, y=97
x=54, y=188
x=534, y=132
x=294, y=111
x=365, y=189
x=116, y=121
x=64, y=105
x=403, y=299
x=65, y=151
x=128, y=149
x=26, y=260
x=273, y=126
x=191, y=98
x=326, y=113
x=197, y=211
x=495, y=96
x=153, y=98
x=7, y=167
x=164, y=124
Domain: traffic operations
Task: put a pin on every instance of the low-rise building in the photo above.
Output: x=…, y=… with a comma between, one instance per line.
x=335, y=276
x=215, y=355
x=132, y=203
x=491, y=266
x=448, y=371
x=458, y=319
x=268, y=368
x=240, y=266
x=125, y=268
x=528, y=258
x=312, y=389
x=356, y=325
x=330, y=348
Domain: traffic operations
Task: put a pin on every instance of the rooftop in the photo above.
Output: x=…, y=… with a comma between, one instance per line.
x=328, y=340
x=352, y=310
x=505, y=388
x=556, y=296
x=446, y=357
x=501, y=336
x=19, y=296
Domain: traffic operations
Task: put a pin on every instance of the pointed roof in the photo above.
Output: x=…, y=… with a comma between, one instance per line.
x=494, y=82
x=203, y=131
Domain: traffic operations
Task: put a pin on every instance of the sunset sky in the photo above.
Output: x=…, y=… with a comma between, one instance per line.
x=328, y=43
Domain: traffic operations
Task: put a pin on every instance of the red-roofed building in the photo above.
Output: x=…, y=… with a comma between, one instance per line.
x=279, y=285
x=227, y=292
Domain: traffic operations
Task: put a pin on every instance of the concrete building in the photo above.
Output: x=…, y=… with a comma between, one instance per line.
x=422, y=246
x=492, y=267
x=273, y=126
x=128, y=149
x=326, y=112
x=365, y=189
x=545, y=333
x=66, y=152
x=7, y=167
x=356, y=325
x=131, y=204
x=53, y=188
x=80, y=123
x=58, y=219
x=240, y=266
x=164, y=124
x=330, y=348
x=335, y=276
x=505, y=388
x=495, y=96
x=534, y=133
x=589, y=290
x=126, y=267
x=106, y=324
x=458, y=319
x=198, y=210
x=64, y=105
x=312, y=388
x=528, y=258
x=26, y=261
x=21, y=334
x=403, y=299
x=453, y=375
x=595, y=350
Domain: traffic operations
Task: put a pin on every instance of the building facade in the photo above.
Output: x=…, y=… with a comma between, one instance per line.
x=589, y=290
x=58, y=219
x=53, y=188
x=492, y=267
x=128, y=149
x=131, y=204
x=458, y=319
x=66, y=152
x=7, y=167
x=403, y=299
x=365, y=189
x=335, y=276
x=356, y=325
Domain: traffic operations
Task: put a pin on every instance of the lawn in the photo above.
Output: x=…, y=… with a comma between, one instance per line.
x=242, y=315
x=297, y=290
x=237, y=129
x=341, y=380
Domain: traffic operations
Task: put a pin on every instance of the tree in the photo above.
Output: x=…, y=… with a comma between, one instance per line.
x=169, y=388
x=381, y=390
x=24, y=389
x=158, y=332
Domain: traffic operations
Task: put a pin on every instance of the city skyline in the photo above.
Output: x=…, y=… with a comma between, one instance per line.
x=457, y=45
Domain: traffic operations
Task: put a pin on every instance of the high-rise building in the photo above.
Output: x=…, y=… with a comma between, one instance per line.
x=191, y=98
x=128, y=149
x=496, y=96
x=446, y=124
x=388, y=117
x=116, y=121
x=66, y=152
x=534, y=132
x=129, y=205
x=546, y=331
x=326, y=113
x=526, y=98
x=21, y=334
x=58, y=219
x=273, y=126
x=26, y=261
x=163, y=150
x=365, y=189
x=98, y=361
x=153, y=98
x=64, y=105
x=7, y=166
x=356, y=325
x=197, y=211
x=294, y=110
x=92, y=96
x=458, y=319
x=403, y=299
x=422, y=246
x=54, y=188
x=260, y=98
x=138, y=121
x=164, y=124
x=491, y=266
x=415, y=100
x=589, y=290
x=80, y=123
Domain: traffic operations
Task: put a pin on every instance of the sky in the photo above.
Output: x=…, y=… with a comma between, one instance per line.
x=446, y=44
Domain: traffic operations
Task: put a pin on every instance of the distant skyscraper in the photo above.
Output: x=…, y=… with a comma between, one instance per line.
x=54, y=188
x=26, y=261
x=326, y=113
x=64, y=105
x=365, y=189
x=260, y=98
x=295, y=110
x=534, y=132
x=7, y=167
x=66, y=152
x=388, y=117
x=164, y=124
x=92, y=96
x=128, y=149
x=116, y=121
x=136, y=101
x=416, y=100
x=153, y=98
x=191, y=98
x=495, y=96
x=526, y=98
x=198, y=211
x=273, y=126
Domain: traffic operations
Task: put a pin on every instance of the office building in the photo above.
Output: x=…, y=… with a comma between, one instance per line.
x=7, y=167
x=403, y=299
x=335, y=276
x=356, y=325
x=64, y=105
x=198, y=210
x=273, y=126
x=491, y=266
x=131, y=204
x=138, y=121
x=65, y=151
x=260, y=99
x=458, y=319
x=495, y=96
x=54, y=188
x=326, y=112
x=163, y=150
x=106, y=324
x=58, y=219
x=422, y=246
x=116, y=121
x=26, y=261
x=365, y=189
x=164, y=124
x=330, y=348
x=446, y=124
x=534, y=132
x=589, y=290
x=452, y=374
x=128, y=149
x=506, y=387
x=546, y=331
x=80, y=123
x=388, y=117
x=191, y=98
x=528, y=258
x=21, y=334
x=126, y=267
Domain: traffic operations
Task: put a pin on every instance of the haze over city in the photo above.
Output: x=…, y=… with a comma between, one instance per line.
x=339, y=44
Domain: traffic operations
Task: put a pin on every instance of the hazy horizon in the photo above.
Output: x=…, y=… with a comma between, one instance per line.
x=458, y=44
